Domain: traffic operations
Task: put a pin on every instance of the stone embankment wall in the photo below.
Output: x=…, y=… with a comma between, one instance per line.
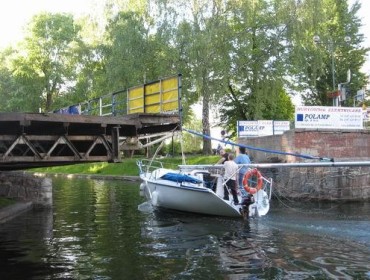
x=322, y=183
x=27, y=188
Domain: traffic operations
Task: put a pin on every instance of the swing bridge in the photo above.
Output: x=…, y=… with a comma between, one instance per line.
x=97, y=130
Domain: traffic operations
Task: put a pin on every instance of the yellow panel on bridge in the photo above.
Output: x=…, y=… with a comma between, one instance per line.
x=156, y=97
x=135, y=100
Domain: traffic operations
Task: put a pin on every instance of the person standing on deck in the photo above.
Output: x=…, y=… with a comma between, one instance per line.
x=242, y=158
x=224, y=157
x=231, y=176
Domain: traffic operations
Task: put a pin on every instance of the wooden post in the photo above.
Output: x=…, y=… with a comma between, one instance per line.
x=116, y=156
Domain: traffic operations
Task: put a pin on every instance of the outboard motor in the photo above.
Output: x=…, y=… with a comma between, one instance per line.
x=248, y=200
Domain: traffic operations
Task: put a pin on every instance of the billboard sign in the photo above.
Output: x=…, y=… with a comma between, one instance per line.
x=247, y=128
x=261, y=128
x=316, y=117
x=281, y=126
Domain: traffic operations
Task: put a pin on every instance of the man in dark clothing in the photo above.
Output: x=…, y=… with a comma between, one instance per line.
x=224, y=157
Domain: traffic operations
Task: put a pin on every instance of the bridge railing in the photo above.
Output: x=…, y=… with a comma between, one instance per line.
x=114, y=104
x=162, y=96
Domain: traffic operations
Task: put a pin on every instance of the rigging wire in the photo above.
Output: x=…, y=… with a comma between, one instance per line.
x=256, y=148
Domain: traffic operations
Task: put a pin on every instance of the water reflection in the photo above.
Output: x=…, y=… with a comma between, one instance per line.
x=287, y=244
x=97, y=231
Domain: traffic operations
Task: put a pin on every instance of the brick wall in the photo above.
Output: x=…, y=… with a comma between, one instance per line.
x=319, y=183
x=340, y=145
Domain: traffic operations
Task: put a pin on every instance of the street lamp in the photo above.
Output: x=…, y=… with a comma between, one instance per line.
x=317, y=40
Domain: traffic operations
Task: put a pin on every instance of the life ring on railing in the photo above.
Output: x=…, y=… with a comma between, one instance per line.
x=247, y=176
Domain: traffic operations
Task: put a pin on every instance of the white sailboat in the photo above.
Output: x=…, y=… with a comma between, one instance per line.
x=200, y=189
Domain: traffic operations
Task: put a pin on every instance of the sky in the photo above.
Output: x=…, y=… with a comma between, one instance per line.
x=15, y=14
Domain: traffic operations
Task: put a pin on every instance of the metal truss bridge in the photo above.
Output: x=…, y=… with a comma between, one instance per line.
x=35, y=140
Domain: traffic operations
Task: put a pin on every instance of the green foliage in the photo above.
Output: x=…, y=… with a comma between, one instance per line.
x=127, y=167
x=172, y=149
x=6, y=202
x=8, y=85
x=132, y=55
x=242, y=59
x=192, y=144
x=277, y=105
x=338, y=50
x=125, y=51
x=43, y=65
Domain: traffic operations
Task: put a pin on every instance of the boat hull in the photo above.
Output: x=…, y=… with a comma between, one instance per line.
x=194, y=192
x=188, y=198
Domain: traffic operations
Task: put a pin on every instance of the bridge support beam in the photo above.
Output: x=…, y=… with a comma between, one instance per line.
x=116, y=155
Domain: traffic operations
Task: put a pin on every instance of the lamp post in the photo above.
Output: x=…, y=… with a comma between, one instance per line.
x=317, y=40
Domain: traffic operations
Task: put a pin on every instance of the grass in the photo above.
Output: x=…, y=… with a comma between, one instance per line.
x=6, y=201
x=127, y=167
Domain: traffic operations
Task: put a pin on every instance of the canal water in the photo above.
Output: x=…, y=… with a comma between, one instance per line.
x=104, y=230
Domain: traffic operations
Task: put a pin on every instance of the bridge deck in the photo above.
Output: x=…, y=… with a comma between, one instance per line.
x=28, y=140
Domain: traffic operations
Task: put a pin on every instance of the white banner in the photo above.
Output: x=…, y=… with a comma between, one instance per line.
x=265, y=128
x=247, y=128
x=261, y=128
x=328, y=117
x=281, y=126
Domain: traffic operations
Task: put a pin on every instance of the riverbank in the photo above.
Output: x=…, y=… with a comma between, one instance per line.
x=11, y=211
x=89, y=176
x=126, y=170
x=10, y=208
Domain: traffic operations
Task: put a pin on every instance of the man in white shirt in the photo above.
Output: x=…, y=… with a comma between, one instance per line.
x=231, y=176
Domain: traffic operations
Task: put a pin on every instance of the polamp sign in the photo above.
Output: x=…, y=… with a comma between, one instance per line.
x=261, y=128
x=328, y=117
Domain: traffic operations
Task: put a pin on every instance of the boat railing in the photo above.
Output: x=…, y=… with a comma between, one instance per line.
x=267, y=186
x=147, y=166
x=211, y=168
x=266, y=183
x=219, y=169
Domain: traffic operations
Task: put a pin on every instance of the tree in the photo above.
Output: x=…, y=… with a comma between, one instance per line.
x=125, y=51
x=199, y=41
x=257, y=81
x=44, y=63
x=90, y=80
x=242, y=59
x=8, y=84
x=326, y=62
x=192, y=143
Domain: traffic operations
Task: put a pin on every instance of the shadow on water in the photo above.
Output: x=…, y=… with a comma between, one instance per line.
x=308, y=241
x=211, y=245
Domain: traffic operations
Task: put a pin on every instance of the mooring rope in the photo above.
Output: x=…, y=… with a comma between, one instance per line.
x=290, y=204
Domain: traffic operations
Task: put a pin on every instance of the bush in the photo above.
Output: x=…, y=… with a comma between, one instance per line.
x=173, y=148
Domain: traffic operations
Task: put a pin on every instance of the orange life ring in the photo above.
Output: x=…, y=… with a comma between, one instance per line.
x=247, y=176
